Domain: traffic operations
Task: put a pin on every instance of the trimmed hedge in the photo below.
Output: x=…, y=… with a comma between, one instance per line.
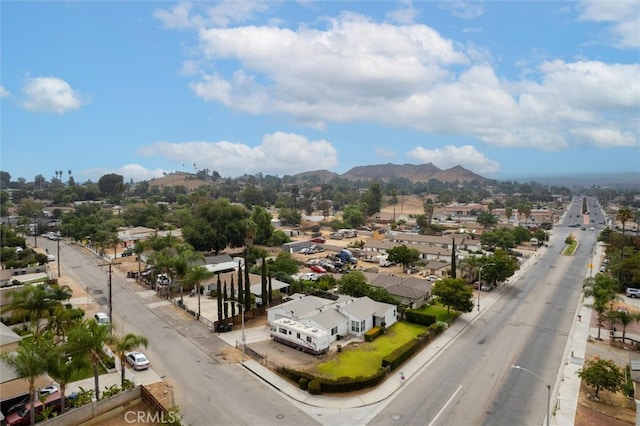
x=418, y=317
x=396, y=358
x=339, y=385
x=372, y=333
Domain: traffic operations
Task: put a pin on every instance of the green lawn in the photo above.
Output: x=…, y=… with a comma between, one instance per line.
x=366, y=358
x=571, y=248
x=440, y=312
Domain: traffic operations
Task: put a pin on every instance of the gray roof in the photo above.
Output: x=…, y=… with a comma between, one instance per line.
x=364, y=306
x=305, y=307
x=327, y=318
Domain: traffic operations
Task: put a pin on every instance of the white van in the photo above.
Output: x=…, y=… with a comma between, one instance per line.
x=101, y=318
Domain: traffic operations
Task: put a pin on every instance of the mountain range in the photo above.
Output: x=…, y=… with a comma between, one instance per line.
x=386, y=172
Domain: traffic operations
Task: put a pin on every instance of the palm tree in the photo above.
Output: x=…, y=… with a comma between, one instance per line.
x=624, y=215
x=90, y=337
x=33, y=302
x=603, y=291
x=29, y=362
x=61, y=293
x=197, y=276
x=126, y=344
x=62, y=368
x=138, y=249
x=623, y=318
x=470, y=266
x=508, y=212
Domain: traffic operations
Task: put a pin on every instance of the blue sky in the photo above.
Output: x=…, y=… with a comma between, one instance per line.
x=506, y=89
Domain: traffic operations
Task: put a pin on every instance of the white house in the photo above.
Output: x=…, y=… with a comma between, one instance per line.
x=326, y=321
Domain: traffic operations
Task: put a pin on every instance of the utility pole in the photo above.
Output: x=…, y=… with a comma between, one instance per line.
x=109, y=285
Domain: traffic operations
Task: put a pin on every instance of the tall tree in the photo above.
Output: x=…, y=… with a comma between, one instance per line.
x=487, y=220
x=34, y=303
x=62, y=367
x=263, y=282
x=603, y=290
x=240, y=284
x=247, y=287
x=403, y=255
x=219, y=298
x=454, y=293
x=602, y=374
x=126, y=344
x=29, y=362
x=624, y=215
x=453, y=258
x=508, y=211
x=90, y=337
x=195, y=277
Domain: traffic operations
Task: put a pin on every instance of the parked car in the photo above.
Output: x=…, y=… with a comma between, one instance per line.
x=22, y=416
x=224, y=327
x=138, y=360
x=101, y=318
x=632, y=292
x=318, y=269
x=46, y=390
x=486, y=287
x=319, y=240
x=310, y=276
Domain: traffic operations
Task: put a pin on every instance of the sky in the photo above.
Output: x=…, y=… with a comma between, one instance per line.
x=506, y=89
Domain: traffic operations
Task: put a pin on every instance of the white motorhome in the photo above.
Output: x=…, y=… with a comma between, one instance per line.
x=300, y=336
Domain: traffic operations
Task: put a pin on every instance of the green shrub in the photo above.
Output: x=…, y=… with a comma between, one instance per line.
x=417, y=317
x=314, y=387
x=437, y=328
x=303, y=383
x=371, y=334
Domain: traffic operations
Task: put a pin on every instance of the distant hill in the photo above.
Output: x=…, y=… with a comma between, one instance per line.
x=382, y=172
x=412, y=172
x=323, y=175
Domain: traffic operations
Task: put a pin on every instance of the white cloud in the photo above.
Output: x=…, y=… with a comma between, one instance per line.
x=607, y=138
x=356, y=70
x=405, y=13
x=449, y=156
x=130, y=171
x=4, y=92
x=223, y=13
x=621, y=14
x=278, y=154
x=179, y=17
x=51, y=94
x=464, y=9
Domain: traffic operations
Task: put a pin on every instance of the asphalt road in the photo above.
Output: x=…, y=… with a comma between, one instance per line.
x=527, y=326
x=208, y=389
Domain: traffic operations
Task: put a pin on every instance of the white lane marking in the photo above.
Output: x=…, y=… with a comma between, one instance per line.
x=445, y=406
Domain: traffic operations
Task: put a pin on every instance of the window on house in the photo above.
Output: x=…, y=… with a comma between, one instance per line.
x=334, y=331
x=354, y=326
x=309, y=339
x=298, y=335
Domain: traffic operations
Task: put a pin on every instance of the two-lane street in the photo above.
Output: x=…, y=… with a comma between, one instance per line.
x=207, y=389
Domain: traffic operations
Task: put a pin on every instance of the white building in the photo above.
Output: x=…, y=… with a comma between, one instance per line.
x=332, y=320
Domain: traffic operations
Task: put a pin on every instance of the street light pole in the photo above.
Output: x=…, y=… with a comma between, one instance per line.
x=480, y=281
x=517, y=367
